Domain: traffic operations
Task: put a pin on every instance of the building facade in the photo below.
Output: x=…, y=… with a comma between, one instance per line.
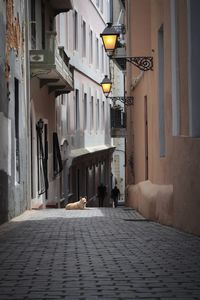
x=51, y=75
x=118, y=122
x=55, y=121
x=163, y=145
x=84, y=115
x=33, y=71
x=14, y=160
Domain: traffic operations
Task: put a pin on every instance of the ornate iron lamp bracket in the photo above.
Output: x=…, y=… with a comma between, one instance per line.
x=144, y=63
x=110, y=37
x=128, y=100
x=119, y=28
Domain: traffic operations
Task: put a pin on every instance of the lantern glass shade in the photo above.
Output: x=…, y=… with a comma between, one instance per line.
x=109, y=37
x=106, y=85
x=106, y=88
x=109, y=42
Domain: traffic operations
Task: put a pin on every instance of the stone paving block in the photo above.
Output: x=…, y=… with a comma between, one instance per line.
x=96, y=254
x=184, y=297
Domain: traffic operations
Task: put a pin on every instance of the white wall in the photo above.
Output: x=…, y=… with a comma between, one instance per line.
x=87, y=76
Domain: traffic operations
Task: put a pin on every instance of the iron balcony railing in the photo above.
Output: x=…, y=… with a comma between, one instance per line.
x=52, y=66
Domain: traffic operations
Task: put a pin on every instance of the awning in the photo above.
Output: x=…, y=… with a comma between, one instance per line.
x=89, y=150
x=60, y=6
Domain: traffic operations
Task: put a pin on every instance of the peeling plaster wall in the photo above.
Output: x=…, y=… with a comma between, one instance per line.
x=3, y=104
x=3, y=121
x=13, y=193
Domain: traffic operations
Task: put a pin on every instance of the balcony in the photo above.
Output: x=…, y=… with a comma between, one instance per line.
x=52, y=67
x=118, y=122
x=60, y=6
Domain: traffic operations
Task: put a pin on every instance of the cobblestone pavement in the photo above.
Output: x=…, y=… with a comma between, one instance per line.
x=96, y=253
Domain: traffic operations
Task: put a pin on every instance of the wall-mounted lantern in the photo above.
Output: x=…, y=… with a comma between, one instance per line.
x=110, y=37
x=106, y=85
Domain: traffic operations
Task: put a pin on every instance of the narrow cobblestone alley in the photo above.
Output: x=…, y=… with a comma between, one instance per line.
x=96, y=254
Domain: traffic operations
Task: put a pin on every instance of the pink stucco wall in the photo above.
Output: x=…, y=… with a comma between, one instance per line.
x=44, y=106
x=159, y=168
x=172, y=192
x=186, y=174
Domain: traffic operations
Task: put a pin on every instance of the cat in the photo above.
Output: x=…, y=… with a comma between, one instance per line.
x=77, y=205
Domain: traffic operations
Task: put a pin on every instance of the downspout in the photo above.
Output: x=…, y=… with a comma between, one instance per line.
x=111, y=11
x=27, y=95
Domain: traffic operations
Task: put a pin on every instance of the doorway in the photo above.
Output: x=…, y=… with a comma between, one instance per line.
x=146, y=138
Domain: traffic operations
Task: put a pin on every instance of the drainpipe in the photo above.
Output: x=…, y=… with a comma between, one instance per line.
x=111, y=11
x=27, y=96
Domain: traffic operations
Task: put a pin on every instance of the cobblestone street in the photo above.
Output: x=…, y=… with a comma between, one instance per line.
x=96, y=253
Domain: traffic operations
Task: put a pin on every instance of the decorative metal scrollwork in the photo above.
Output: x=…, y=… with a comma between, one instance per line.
x=128, y=100
x=120, y=28
x=144, y=63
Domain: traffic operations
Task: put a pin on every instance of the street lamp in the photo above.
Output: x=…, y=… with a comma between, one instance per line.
x=110, y=36
x=106, y=85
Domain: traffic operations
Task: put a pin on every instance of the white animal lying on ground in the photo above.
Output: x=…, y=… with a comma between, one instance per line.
x=77, y=205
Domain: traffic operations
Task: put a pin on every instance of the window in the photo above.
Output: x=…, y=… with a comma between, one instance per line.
x=97, y=3
x=193, y=68
x=67, y=31
x=75, y=30
x=117, y=118
x=102, y=58
x=42, y=161
x=58, y=27
x=77, y=110
x=103, y=114
x=97, y=124
x=146, y=143
x=57, y=160
x=91, y=47
x=85, y=111
x=175, y=68
x=43, y=24
x=161, y=90
x=33, y=25
x=106, y=59
x=84, y=39
x=92, y=113
x=97, y=53
x=68, y=113
x=62, y=99
x=101, y=6
x=17, y=152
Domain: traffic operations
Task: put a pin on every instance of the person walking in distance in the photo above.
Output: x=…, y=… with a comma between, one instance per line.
x=101, y=193
x=115, y=195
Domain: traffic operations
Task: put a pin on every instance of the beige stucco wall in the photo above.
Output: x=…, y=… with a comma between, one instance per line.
x=172, y=193
x=176, y=204
x=44, y=106
x=186, y=174
x=153, y=201
x=159, y=168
